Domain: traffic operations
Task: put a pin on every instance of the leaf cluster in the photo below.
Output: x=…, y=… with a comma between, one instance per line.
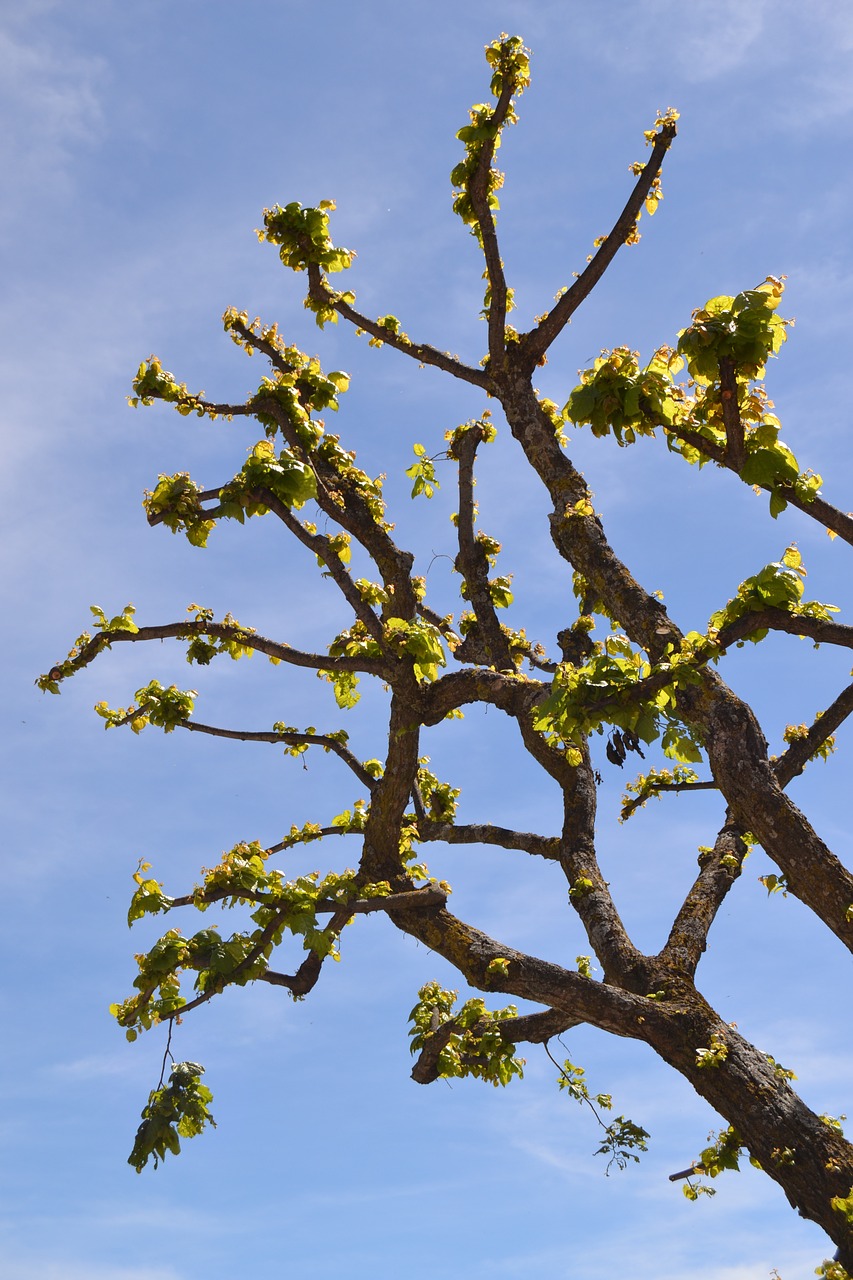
x=153, y=382
x=607, y=689
x=832, y=1270
x=149, y=898
x=744, y=329
x=242, y=877
x=439, y=798
x=722, y=1154
x=177, y=500
x=422, y=473
x=617, y=396
x=392, y=327
x=798, y=732
x=203, y=648
x=777, y=586
x=302, y=236
x=179, y=1109
x=164, y=707
x=476, y=1046
x=714, y=1055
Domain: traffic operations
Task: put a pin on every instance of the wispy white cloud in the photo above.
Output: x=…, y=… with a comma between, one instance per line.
x=712, y=37
x=804, y=1045
x=158, y=1216
x=823, y=31
x=50, y=102
x=709, y=40
x=380, y=1192
x=102, y=1217
x=666, y=1261
x=94, y=1067
x=823, y=285
x=703, y=41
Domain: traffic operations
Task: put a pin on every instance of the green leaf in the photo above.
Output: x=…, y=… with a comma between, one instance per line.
x=777, y=503
x=844, y=1206
x=422, y=641
x=345, y=686
x=776, y=465
x=681, y=746
x=476, y=1048
x=422, y=473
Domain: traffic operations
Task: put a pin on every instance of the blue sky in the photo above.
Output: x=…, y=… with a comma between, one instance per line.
x=140, y=143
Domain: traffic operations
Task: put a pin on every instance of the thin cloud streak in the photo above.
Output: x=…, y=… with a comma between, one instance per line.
x=54, y=98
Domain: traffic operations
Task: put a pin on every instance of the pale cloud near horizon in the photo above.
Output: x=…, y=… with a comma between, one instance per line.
x=35, y=1268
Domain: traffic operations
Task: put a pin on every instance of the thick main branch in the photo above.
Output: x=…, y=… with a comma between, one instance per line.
x=736, y=746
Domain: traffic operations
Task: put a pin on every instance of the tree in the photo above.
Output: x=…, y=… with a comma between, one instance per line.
x=621, y=670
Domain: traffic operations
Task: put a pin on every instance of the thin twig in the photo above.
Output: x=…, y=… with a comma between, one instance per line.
x=320, y=291
x=800, y=751
x=632, y=805
x=167, y=1053
x=290, y=739
x=264, y=346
